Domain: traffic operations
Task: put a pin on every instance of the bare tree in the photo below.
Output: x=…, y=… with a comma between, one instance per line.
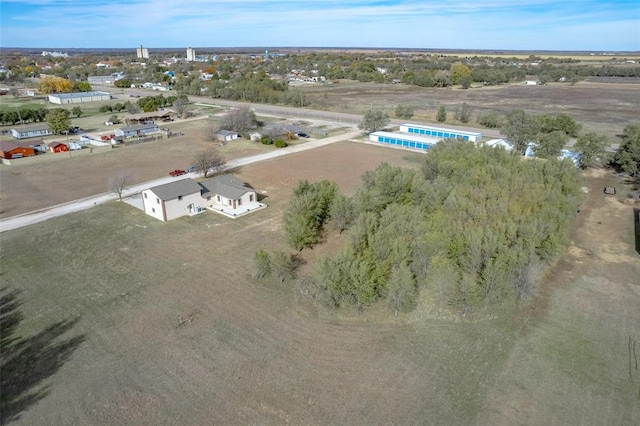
x=239, y=119
x=207, y=161
x=181, y=105
x=118, y=183
x=211, y=131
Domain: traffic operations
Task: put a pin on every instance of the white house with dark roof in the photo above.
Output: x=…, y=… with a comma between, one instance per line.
x=173, y=200
x=223, y=194
x=31, y=131
x=137, y=130
x=229, y=195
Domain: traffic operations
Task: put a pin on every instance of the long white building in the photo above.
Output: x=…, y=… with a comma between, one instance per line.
x=440, y=132
x=403, y=140
x=78, y=98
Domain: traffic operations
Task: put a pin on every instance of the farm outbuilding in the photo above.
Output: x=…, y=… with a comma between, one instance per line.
x=440, y=132
x=10, y=150
x=403, y=140
x=32, y=131
x=56, y=147
x=226, y=135
x=137, y=130
x=78, y=98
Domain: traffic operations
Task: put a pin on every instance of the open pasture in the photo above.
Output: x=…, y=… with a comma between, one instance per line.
x=170, y=326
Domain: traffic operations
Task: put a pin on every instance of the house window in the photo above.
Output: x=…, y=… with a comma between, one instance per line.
x=218, y=198
x=209, y=198
x=145, y=195
x=153, y=210
x=179, y=197
x=239, y=201
x=250, y=197
x=157, y=200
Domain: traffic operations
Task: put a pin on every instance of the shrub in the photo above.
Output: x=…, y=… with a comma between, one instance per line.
x=280, y=143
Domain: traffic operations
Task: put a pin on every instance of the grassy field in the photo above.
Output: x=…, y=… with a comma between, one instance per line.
x=253, y=352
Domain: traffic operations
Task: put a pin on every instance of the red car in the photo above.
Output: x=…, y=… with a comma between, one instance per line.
x=177, y=173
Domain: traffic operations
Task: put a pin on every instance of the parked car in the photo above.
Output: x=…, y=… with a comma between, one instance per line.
x=177, y=172
x=302, y=135
x=191, y=169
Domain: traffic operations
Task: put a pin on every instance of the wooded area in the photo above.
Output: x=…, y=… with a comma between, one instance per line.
x=476, y=226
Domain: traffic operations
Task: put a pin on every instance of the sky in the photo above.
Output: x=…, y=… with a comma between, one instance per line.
x=576, y=25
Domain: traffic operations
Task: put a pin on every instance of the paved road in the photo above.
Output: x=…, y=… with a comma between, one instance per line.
x=41, y=215
x=290, y=112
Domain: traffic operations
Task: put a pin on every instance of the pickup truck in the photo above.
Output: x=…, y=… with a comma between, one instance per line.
x=177, y=173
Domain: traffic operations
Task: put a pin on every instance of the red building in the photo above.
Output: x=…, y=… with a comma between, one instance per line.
x=9, y=150
x=58, y=147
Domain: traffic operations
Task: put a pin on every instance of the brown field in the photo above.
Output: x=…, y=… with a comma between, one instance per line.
x=601, y=107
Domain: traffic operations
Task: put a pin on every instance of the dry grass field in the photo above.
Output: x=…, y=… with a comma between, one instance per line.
x=600, y=105
x=254, y=353
x=102, y=297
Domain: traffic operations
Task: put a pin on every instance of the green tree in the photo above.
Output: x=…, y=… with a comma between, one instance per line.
x=373, y=120
x=58, y=120
x=281, y=266
x=490, y=120
x=82, y=86
x=592, y=148
x=460, y=72
x=550, y=144
x=77, y=111
x=401, y=289
x=123, y=83
x=627, y=158
x=463, y=113
x=262, y=264
x=519, y=129
x=148, y=104
x=404, y=111
x=307, y=212
x=342, y=212
x=441, y=117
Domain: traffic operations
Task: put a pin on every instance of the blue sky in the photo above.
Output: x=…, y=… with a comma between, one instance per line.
x=590, y=25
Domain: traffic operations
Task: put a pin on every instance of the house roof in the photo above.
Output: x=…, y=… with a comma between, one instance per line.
x=54, y=144
x=31, y=128
x=223, y=132
x=152, y=114
x=7, y=146
x=227, y=186
x=138, y=127
x=172, y=190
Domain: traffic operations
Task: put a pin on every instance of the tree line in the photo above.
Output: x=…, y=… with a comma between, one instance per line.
x=475, y=226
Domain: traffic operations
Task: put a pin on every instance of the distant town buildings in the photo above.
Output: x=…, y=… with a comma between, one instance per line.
x=191, y=54
x=55, y=54
x=142, y=52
